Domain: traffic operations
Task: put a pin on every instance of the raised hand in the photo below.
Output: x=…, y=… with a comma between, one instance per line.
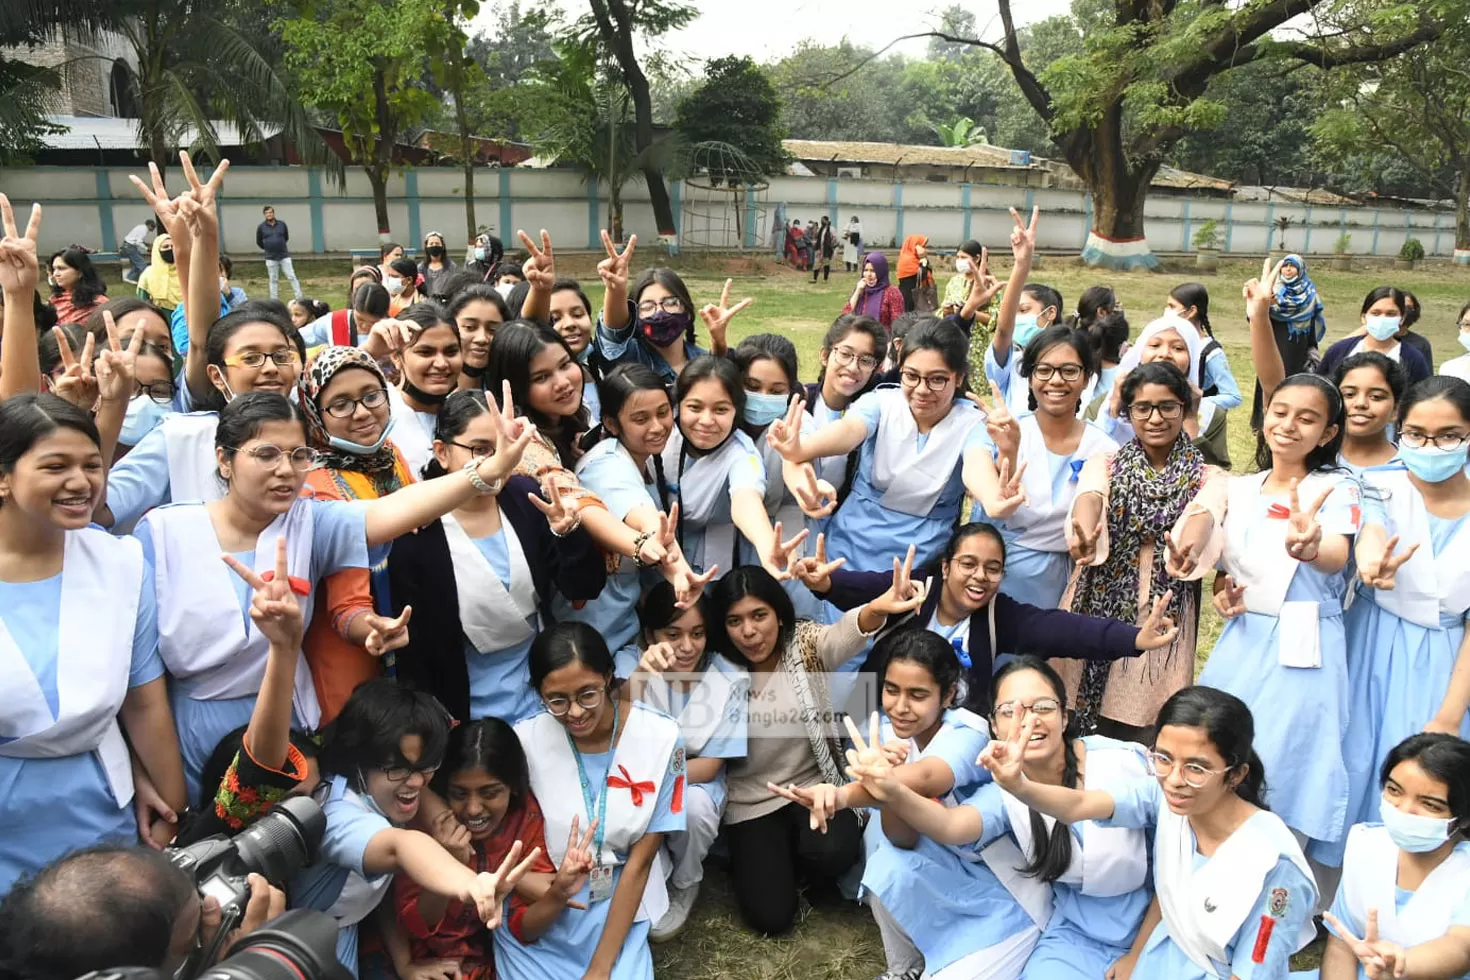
x=897, y=751
x=116, y=367
x=717, y=318
x=1006, y=758
x=577, y=863
x=1182, y=561
x=273, y=608
x=689, y=584
x=1023, y=236
x=512, y=436
x=389, y=337
x=1083, y=547
x=1382, y=572
x=820, y=799
x=167, y=208
x=1001, y=425
x=614, y=269
x=904, y=595
x=199, y=206
x=562, y=518
x=20, y=270
x=540, y=271
x=1303, y=533
x=866, y=760
x=782, y=554
x=815, y=571
x=657, y=659
x=816, y=498
x=385, y=634
x=77, y=384
x=454, y=837
x=490, y=887
x=1157, y=630
x=1230, y=599
x=1380, y=959
x=784, y=434
x=1012, y=493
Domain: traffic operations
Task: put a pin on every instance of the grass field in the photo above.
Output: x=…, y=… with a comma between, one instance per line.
x=839, y=942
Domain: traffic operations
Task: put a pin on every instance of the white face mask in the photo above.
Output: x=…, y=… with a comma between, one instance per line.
x=962, y=266
x=394, y=285
x=504, y=289
x=224, y=285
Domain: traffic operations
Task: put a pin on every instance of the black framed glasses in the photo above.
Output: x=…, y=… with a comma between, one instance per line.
x=341, y=408
x=284, y=357
x=400, y=774
x=934, y=382
x=160, y=391
x=1068, y=372
x=1168, y=410
x=669, y=304
x=588, y=699
x=846, y=355
x=1445, y=441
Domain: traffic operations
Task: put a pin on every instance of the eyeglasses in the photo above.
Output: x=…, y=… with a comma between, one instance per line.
x=475, y=449
x=1045, y=372
x=934, y=382
x=669, y=304
x=846, y=355
x=160, y=391
x=1170, y=410
x=1445, y=441
x=588, y=699
x=254, y=358
x=1041, y=707
x=400, y=774
x=970, y=566
x=1195, y=775
x=342, y=408
x=302, y=457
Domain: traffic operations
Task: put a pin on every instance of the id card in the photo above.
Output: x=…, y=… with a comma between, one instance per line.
x=600, y=883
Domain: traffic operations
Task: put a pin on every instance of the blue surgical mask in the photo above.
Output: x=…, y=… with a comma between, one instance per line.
x=1464, y=339
x=1413, y=832
x=1026, y=328
x=1382, y=327
x=393, y=284
x=762, y=409
x=481, y=254
x=142, y=417
x=1434, y=465
x=357, y=448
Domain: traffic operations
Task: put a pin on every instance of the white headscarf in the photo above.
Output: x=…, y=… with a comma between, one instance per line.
x=1169, y=321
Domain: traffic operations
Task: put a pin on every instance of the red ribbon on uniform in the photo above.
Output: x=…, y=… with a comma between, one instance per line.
x=1263, y=939
x=677, y=806
x=636, y=789
x=300, y=586
x=1279, y=512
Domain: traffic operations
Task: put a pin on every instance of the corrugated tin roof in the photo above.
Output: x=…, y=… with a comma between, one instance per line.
x=893, y=154
x=116, y=133
x=1184, y=180
x=1295, y=195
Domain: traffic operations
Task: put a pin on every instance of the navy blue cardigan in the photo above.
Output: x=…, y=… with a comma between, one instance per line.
x=422, y=575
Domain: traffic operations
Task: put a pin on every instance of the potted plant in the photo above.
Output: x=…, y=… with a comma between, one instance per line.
x=1281, y=224
x=1207, y=244
x=1409, y=253
x=1342, y=257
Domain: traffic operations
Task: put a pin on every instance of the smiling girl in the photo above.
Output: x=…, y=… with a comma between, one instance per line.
x=478, y=311
x=430, y=367
x=1372, y=386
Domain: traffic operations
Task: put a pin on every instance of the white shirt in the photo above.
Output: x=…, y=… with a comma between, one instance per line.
x=138, y=235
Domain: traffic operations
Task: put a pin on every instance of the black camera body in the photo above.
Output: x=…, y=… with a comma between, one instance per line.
x=276, y=847
x=300, y=945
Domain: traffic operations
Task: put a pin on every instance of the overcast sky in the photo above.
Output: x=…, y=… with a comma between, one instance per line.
x=766, y=29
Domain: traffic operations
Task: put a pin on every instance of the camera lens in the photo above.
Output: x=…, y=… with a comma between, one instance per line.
x=300, y=945
x=284, y=841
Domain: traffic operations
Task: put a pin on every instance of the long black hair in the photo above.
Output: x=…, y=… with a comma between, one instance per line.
x=565, y=644
x=224, y=329
x=1393, y=372
x=1058, y=335
x=27, y=419
x=1090, y=304
x=845, y=326
x=1053, y=850
x=516, y=345
x=89, y=284
x=927, y=649
x=1165, y=373
x=669, y=279
x=754, y=582
x=1445, y=386
x=1447, y=759
x=489, y=744
x=613, y=391
x=1195, y=294
x=1227, y=723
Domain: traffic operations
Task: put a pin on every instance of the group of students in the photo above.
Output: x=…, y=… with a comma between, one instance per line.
x=546, y=608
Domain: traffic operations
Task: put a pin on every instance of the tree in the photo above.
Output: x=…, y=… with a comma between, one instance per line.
x=1140, y=82
x=364, y=61
x=961, y=132
x=736, y=104
x=24, y=88
x=616, y=23
x=1415, y=108
x=840, y=92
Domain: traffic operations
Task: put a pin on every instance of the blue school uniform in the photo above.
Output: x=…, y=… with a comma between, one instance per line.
x=1007, y=381
x=338, y=883
x=1286, y=895
x=174, y=461
x=919, y=503
x=833, y=469
x=52, y=805
x=338, y=539
x=704, y=484
x=1286, y=660
x=1217, y=375
x=500, y=680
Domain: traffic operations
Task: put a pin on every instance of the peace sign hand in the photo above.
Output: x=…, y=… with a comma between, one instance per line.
x=614, y=269
x=1012, y=493
x=562, y=519
x=1083, y=546
x=784, y=434
x=815, y=572
x=1001, y=425
x=1005, y=758
x=1229, y=599
x=20, y=270
x=717, y=318
x=199, y=206
x=576, y=864
x=1023, y=236
x=1303, y=533
x=1379, y=958
x=820, y=799
x=816, y=498
x=866, y=760
x=386, y=634
x=116, y=367
x=77, y=384
x=783, y=554
x=904, y=595
x=1157, y=630
x=167, y=208
x=1382, y=572
x=490, y=887
x=273, y=608
x=512, y=436
x=689, y=585
x=540, y=269
x=1181, y=562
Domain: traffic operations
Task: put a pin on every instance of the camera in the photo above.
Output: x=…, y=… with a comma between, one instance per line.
x=300, y=945
x=276, y=847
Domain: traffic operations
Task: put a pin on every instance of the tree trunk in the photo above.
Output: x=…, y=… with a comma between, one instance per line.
x=382, y=154
x=1119, y=189
x=1462, y=214
x=378, y=177
x=620, y=39
x=615, y=210
x=467, y=152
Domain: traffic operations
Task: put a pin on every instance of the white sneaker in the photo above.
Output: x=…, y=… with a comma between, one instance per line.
x=681, y=900
x=911, y=974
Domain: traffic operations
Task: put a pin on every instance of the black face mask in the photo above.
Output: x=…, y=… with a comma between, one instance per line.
x=435, y=251
x=421, y=396
x=167, y=254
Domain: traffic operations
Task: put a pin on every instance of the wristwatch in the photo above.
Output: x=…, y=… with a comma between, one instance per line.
x=472, y=470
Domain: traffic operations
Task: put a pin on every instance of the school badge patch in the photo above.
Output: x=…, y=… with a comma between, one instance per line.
x=1279, y=902
x=676, y=761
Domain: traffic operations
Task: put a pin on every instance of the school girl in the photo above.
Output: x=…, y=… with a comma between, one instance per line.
x=920, y=683
x=967, y=608
x=1026, y=309
x=215, y=656
x=477, y=312
x=571, y=316
x=1084, y=886
x=706, y=693
x=1027, y=486
x=913, y=442
x=78, y=643
x=1191, y=300
x=378, y=756
x=1382, y=318
x=429, y=368
x=1107, y=336
x=1407, y=877
x=1281, y=588
x=1372, y=385
x=1459, y=367
x=1234, y=894
x=480, y=579
x=1406, y=636
x=598, y=760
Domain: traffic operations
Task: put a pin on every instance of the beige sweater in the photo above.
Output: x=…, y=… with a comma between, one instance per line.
x=776, y=749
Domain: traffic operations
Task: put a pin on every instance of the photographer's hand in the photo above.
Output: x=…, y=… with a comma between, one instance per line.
x=266, y=903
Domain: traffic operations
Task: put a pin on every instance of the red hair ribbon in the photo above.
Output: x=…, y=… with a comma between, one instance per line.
x=300, y=586
x=1279, y=512
x=1263, y=939
x=636, y=789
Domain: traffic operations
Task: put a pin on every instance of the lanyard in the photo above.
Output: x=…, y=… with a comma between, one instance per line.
x=599, y=803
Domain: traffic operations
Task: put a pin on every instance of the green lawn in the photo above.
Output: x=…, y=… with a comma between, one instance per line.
x=840, y=942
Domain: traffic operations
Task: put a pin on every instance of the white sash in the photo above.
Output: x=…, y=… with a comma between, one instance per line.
x=703, y=483
x=359, y=896
x=833, y=469
x=1042, y=523
x=414, y=443
x=1255, y=545
x=1005, y=860
x=720, y=687
x=911, y=480
x=493, y=619
x=1110, y=861
x=193, y=470
x=1428, y=586
x=1204, y=909
x=204, y=638
x=1370, y=873
x=645, y=749
x=101, y=577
